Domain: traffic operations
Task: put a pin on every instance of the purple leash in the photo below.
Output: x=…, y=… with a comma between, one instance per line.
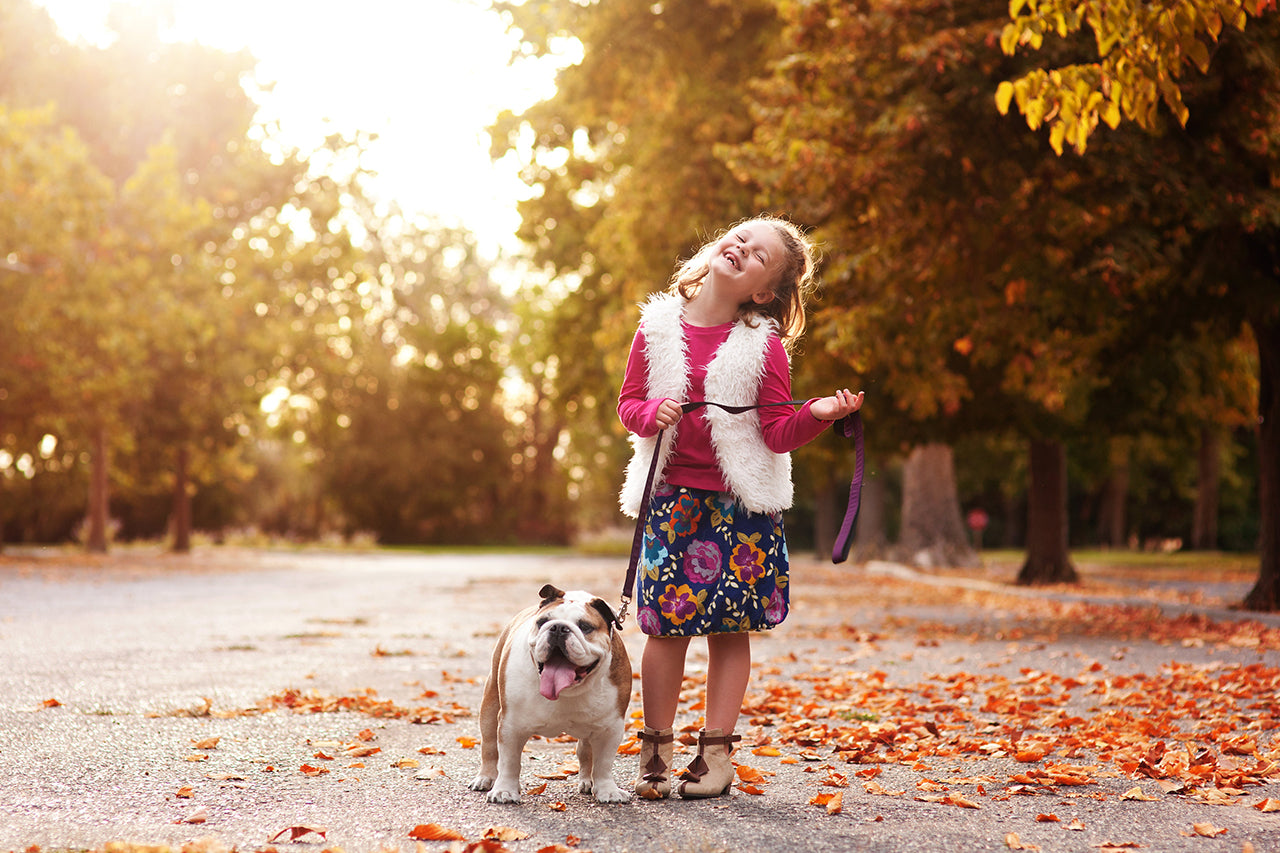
x=850, y=426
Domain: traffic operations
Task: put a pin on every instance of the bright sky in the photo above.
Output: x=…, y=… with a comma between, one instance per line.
x=428, y=76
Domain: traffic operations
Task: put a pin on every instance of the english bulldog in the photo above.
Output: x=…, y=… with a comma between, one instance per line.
x=558, y=668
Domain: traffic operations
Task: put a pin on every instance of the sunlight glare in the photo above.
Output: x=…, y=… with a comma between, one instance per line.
x=426, y=76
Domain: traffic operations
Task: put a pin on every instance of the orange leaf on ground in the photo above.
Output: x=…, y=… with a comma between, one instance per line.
x=1012, y=841
x=836, y=804
x=467, y=742
x=200, y=815
x=505, y=833
x=309, y=770
x=1076, y=825
x=296, y=832
x=1048, y=818
x=769, y=751
x=558, y=806
x=537, y=789
x=750, y=789
x=1205, y=830
x=1135, y=793
x=435, y=832
x=186, y=792
x=51, y=703
x=206, y=743
x=1270, y=804
x=749, y=774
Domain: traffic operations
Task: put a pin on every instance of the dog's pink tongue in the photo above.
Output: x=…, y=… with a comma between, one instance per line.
x=556, y=676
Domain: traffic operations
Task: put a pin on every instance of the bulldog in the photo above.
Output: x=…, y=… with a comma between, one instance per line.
x=558, y=668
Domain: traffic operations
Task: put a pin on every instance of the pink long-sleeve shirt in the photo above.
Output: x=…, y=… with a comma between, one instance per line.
x=692, y=461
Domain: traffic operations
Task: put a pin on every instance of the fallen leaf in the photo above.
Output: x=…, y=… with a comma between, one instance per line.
x=1268, y=805
x=749, y=774
x=467, y=742
x=750, y=789
x=1076, y=825
x=1012, y=841
x=200, y=815
x=207, y=743
x=405, y=764
x=504, y=833
x=558, y=806
x=186, y=792
x=296, y=832
x=1135, y=793
x=769, y=751
x=1206, y=830
x=537, y=789
x=1048, y=818
x=309, y=770
x=51, y=703
x=836, y=805
x=435, y=832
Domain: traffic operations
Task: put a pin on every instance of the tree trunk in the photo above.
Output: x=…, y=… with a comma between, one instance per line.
x=181, y=520
x=871, y=539
x=1048, y=559
x=96, y=542
x=825, y=521
x=1204, y=526
x=1113, y=521
x=1265, y=594
x=933, y=533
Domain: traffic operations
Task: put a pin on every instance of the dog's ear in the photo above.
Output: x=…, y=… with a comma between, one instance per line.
x=605, y=611
x=550, y=593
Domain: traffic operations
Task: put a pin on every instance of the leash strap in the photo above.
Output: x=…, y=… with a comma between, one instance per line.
x=849, y=426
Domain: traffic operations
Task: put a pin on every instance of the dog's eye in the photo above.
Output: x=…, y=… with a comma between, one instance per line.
x=586, y=627
x=544, y=620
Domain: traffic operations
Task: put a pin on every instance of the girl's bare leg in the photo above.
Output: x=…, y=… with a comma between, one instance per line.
x=728, y=671
x=661, y=675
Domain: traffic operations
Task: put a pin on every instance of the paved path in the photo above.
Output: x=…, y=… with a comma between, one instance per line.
x=117, y=675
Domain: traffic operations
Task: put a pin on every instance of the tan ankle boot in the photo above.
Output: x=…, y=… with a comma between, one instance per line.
x=711, y=773
x=655, y=763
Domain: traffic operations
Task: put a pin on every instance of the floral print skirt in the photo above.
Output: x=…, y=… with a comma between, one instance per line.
x=708, y=566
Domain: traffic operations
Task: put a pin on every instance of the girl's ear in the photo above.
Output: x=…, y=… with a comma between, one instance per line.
x=763, y=297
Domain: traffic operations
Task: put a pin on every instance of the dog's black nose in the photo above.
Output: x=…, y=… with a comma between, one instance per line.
x=559, y=628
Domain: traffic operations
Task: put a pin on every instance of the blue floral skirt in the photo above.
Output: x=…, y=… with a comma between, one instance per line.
x=708, y=566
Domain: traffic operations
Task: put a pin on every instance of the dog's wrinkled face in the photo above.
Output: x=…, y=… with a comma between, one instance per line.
x=569, y=642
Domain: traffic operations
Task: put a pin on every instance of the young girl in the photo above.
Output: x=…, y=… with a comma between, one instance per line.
x=714, y=558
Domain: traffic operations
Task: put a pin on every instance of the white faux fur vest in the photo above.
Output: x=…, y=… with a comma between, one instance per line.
x=758, y=478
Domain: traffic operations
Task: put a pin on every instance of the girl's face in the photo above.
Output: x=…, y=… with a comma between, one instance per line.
x=745, y=263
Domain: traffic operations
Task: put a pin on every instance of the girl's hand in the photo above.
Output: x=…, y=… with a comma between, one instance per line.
x=843, y=402
x=669, y=414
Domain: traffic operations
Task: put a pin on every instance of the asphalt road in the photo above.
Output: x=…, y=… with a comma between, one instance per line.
x=234, y=695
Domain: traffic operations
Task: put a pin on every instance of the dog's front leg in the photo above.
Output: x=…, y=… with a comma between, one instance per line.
x=595, y=758
x=506, y=788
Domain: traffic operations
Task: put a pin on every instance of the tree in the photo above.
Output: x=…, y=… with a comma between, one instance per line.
x=1229, y=155
x=626, y=181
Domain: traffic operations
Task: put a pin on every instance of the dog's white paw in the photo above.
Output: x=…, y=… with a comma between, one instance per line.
x=608, y=792
x=481, y=783
x=499, y=795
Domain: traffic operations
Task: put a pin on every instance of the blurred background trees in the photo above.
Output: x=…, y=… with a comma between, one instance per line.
x=1070, y=326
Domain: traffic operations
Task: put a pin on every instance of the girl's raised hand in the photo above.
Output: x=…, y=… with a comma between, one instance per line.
x=835, y=407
